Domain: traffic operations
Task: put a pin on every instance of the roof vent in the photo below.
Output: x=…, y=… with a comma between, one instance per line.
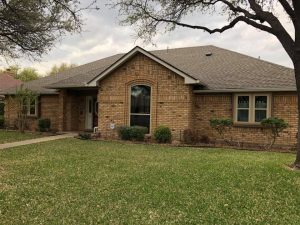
x=208, y=54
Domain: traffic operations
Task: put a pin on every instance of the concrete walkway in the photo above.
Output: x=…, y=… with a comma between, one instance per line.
x=36, y=140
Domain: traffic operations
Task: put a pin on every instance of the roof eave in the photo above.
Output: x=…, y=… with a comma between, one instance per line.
x=289, y=89
x=187, y=78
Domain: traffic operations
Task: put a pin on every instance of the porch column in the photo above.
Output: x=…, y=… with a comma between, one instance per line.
x=62, y=110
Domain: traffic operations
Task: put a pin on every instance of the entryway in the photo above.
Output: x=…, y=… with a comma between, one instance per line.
x=91, y=112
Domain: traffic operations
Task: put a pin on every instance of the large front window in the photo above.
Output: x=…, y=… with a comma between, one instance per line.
x=140, y=106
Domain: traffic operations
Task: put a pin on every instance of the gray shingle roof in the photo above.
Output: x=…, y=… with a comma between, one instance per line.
x=224, y=69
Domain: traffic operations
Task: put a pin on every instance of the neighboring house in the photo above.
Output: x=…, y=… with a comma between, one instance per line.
x=7, y=81
x=181, y=88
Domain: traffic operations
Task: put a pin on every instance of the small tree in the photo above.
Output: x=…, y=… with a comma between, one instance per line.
x=61, y=68
x=273, y=127
x=222, y=126
x=27, y=74
x=23, y=98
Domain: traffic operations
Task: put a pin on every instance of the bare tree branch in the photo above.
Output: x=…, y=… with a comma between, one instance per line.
x=288, y=9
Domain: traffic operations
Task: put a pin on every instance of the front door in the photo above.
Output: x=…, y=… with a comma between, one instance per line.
x=89, y=113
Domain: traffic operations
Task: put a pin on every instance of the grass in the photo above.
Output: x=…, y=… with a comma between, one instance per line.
x=12, y=136
x=84, y=182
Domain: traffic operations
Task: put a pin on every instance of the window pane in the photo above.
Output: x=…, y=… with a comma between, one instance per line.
x=32, y=110
x=140, y=99
x=261, y=102
x=140, y=120
x=243, y=115
x=260, y=115
x=24, y=109
x=31, y=107
x=243, y=101
x=32, y=102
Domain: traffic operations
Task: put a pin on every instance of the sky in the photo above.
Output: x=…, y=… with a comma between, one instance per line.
x=102, y=36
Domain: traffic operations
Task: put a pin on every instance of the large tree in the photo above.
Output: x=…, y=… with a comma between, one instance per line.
x=148, y=16
x=31, y=27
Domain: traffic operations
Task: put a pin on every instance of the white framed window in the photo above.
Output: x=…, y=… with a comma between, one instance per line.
x=30, y=107
x=251, y=108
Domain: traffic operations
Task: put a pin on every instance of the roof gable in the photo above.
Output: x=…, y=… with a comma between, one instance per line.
x=188, y=79
x=7, y=81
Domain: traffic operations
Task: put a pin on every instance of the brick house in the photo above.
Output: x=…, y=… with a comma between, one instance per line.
x=180, y=88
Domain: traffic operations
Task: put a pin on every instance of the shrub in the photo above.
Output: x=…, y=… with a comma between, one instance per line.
x=44, y=125
x=138, y=133
x=204, y=139
x=163, y=134
x=85, y=136
x=124, y=133
x=1, y=122
x=135, y=133
x=191, y=136
x=274, y=126
x=222, y=126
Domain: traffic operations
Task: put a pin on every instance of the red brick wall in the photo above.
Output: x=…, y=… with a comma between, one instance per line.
x=48, y=105
x=207, y=106
x=171, y=100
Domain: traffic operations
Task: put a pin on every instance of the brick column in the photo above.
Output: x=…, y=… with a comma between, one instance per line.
x=62, y=110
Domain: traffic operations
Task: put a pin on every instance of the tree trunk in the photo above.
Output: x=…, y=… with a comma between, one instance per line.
x=297, y=75
x=296, y=61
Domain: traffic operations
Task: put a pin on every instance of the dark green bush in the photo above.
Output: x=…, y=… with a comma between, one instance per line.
x=163, y=134
x=124, y=133
x=138, y=133
x=1, y=122
x=85, y=136
x=275, y=123
x=44, y=125
x=135, y=133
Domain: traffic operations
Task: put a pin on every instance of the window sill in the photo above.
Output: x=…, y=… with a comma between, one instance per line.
x=32, y=116
x=250, y=125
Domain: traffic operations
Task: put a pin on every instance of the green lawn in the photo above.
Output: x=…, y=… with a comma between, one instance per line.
x=12, y=136
x=85, y=182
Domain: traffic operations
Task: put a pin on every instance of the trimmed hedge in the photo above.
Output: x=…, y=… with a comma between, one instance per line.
x=135, y=133
x=44, y=125
x=162, y=134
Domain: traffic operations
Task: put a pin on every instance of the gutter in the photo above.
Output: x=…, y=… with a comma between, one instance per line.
x=245, y=90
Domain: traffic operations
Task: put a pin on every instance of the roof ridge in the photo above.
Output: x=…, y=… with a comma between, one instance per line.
x=76, y=67
x=197, y=46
